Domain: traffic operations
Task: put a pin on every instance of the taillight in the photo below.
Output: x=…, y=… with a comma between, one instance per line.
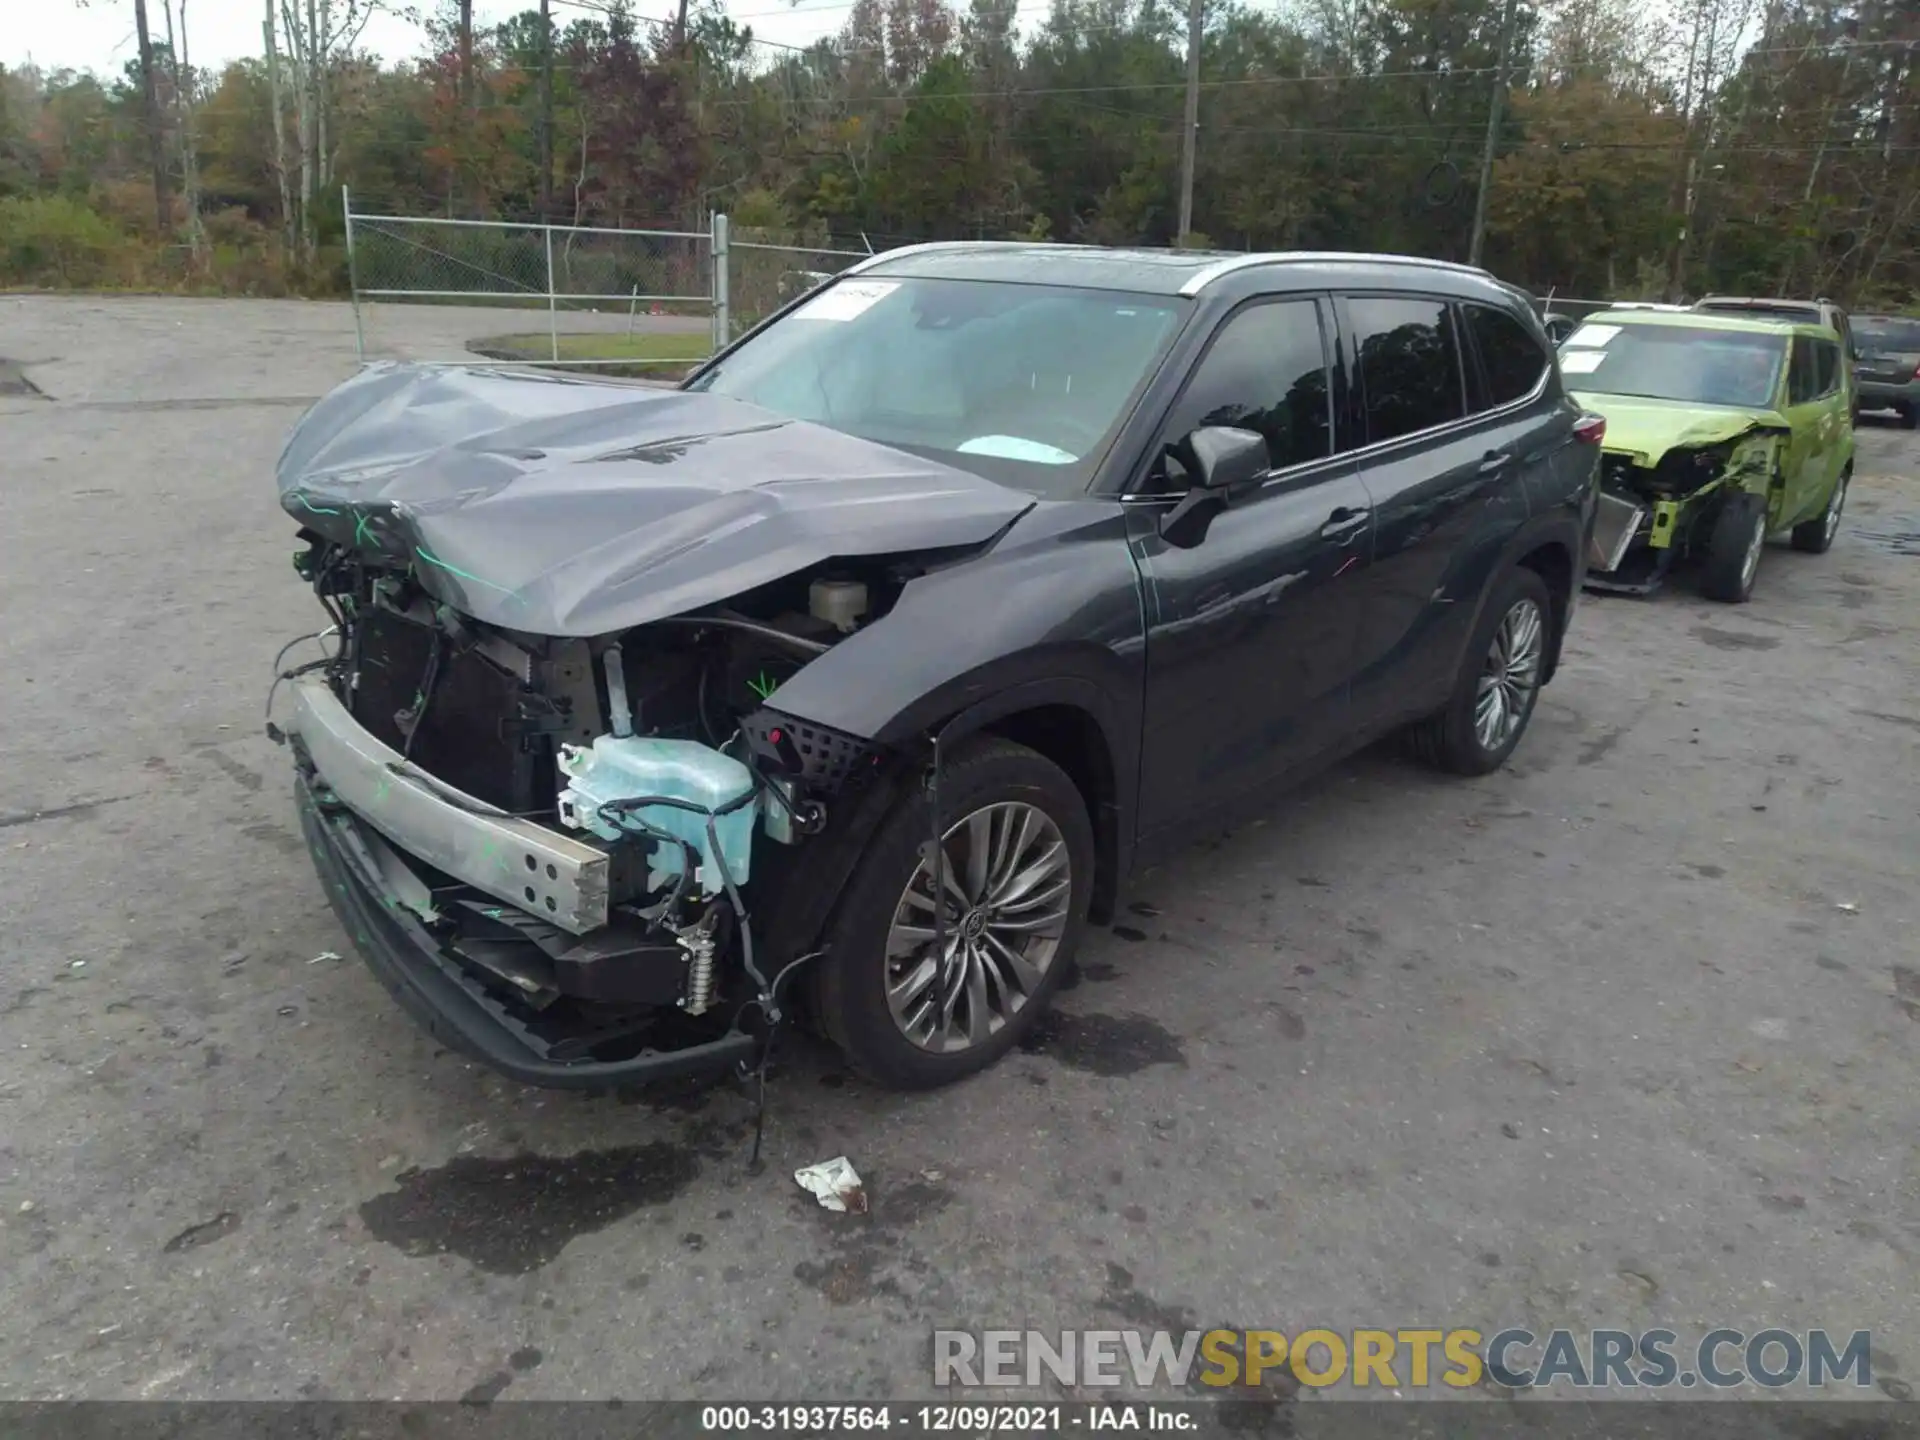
x=1916, y=372
x=1590, y=429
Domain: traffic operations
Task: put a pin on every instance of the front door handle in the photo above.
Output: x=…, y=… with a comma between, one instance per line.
x=1495, y=462
x=1345, y=525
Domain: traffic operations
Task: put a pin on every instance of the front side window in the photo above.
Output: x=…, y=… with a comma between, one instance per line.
x=1510, y=356
x=1803, y=381
x=1826, y=368
x=1020, y=383
x=1409, y=364
x=1267, y=371
x=1690, y=363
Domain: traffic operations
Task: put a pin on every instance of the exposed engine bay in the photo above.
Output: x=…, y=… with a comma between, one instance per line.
x=655, y=747
x=1654, y=509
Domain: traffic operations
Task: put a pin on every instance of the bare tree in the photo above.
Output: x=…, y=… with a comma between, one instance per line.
x=183, y=117
x=156, y=127
x=278, y=101
x=545, y=138
x=320, y=34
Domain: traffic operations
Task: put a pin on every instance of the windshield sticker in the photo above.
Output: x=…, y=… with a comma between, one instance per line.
x=846, y=300
x=1593, y=334
x=1584, y=362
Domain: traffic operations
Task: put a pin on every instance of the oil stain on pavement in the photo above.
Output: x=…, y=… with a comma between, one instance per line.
x=511, y=1216
x=1106, y=1045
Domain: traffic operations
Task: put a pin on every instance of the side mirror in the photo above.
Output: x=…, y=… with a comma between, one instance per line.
x=1219, y=459
x=1226, y=457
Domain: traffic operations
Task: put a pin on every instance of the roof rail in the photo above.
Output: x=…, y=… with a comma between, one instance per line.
x=1200, y=279
x=928, y=247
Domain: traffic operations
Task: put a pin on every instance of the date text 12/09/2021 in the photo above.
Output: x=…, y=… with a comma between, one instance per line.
x=944, y=1419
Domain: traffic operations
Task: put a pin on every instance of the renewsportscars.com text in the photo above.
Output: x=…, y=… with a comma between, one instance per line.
x=1515, y=1358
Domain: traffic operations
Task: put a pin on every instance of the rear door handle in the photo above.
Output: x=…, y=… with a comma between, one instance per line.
x=1495, y=462
x=1345, y=525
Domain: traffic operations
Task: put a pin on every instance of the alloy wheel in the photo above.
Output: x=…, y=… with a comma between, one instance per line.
x=1510, y=675
x=1004, y=895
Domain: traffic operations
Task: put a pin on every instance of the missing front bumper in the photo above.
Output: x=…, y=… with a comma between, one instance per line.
x=452, y=1004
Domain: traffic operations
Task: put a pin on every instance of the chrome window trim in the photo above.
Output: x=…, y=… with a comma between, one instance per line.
x=1362, y=452
x=1532, y=396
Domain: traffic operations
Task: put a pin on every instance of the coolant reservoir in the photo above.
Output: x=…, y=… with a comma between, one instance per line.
x=838, y=602
x=633, y=767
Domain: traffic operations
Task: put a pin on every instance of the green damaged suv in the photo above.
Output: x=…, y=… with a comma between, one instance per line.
x=1720, y=432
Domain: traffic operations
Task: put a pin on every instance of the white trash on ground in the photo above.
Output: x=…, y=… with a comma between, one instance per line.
x=836, y=1184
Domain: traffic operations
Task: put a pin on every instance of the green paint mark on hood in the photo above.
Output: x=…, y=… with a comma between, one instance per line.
x=1649, y=428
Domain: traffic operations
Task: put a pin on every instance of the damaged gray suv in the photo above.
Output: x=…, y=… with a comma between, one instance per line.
x=854, y=676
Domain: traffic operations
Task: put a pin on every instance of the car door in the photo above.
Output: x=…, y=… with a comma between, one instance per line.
x=1810, y=440
x=1445, y=479
x=1249, y=627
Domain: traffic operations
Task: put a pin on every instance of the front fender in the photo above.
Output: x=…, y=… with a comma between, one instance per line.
x=1056, y=601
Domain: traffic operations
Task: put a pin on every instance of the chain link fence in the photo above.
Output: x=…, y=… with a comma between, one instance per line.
x=632, y=301
x=763, y=274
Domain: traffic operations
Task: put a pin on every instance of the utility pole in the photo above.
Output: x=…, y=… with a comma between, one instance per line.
x=156, y=131
x=546, y=114
x=1189, y=134
x=1494, y=107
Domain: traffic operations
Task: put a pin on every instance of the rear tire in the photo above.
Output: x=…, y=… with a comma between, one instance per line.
x=1738, y=536
x=1479, y=728
x=864, y=973
x=1910, y=416
x=1815, y=536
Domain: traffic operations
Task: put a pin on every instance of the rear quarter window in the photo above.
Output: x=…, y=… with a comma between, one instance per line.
x=1510, y=358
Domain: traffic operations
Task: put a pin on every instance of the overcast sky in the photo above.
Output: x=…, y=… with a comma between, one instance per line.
x=58, y=33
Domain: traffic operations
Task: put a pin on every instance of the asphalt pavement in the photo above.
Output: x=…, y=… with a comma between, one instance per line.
x=1622, y=1035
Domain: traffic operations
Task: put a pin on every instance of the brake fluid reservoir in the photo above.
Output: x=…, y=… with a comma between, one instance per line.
x=627, y=768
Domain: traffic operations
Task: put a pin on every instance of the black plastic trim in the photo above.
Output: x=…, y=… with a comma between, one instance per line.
x=406, y=960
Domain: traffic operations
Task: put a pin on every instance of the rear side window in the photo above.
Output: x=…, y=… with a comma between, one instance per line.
x=1510, y=356
x=1802, y=373
x=1826, y=367
x=1409, y=364
x=1267, y=371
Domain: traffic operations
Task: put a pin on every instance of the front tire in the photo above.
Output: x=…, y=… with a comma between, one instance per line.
x=1815, y=536
x=1498, y=685
x=1019, y=860
x=1733, y=548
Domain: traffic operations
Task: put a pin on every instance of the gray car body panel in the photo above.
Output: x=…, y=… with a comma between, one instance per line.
x=574, y=508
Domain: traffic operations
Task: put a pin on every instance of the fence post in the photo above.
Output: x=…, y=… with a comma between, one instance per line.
x=353, y=280
x=722, y=293
x=553, y=300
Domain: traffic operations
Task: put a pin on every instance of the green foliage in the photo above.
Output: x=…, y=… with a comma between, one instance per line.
x=1645, y=150
x=49, y=240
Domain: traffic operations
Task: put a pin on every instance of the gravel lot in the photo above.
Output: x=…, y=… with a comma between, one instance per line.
x=1624, y=1035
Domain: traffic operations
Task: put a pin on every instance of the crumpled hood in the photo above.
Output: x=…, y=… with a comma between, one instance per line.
x=1650, y=428
x=570, y=507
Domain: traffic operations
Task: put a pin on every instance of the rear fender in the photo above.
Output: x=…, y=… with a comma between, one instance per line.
x=1558, y=528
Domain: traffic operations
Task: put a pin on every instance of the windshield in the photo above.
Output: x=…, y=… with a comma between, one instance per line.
x=1675, y=362
x=1019, y=383
x=1895, y=336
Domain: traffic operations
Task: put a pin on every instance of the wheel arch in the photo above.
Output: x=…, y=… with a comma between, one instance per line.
x=1552, y=560
x=1549, y=545
x=1070, y=722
